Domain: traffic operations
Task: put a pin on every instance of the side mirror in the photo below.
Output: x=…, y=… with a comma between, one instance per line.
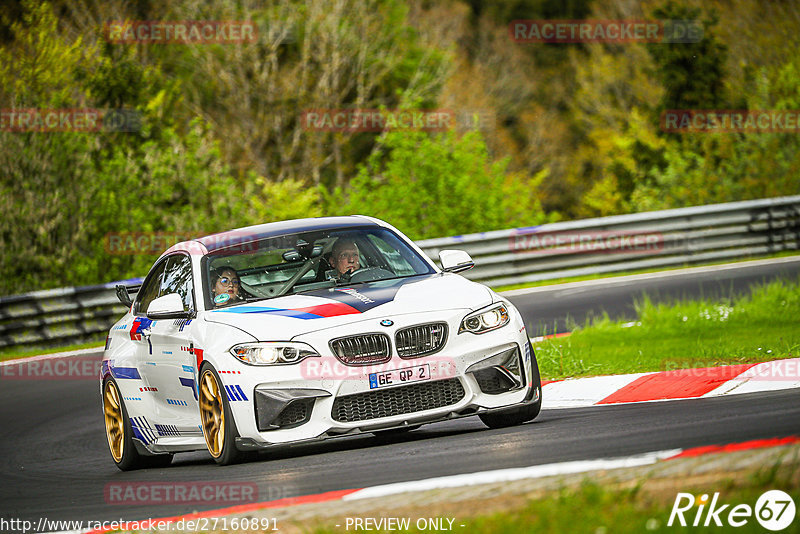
x=123, y=295
x=455, y=261
x=167, y=307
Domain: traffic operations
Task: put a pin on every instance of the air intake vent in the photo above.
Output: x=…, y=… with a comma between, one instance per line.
x=397, y=401
x=362, y=350
x=420, y=340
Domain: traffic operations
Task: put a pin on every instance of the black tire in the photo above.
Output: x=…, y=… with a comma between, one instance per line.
x=224, y=453
x=120, y=433
x=517, y=416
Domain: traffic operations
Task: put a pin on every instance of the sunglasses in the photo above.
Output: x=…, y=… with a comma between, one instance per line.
x=225, y=281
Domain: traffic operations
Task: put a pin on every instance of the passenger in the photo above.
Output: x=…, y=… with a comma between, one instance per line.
x=225, y=286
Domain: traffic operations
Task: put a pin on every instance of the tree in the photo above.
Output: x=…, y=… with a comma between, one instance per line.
x=692, y=73
x=440, y=185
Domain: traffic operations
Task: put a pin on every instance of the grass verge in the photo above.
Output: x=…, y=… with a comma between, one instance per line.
x=599, y=504
x=761, y=326
x=14, y=353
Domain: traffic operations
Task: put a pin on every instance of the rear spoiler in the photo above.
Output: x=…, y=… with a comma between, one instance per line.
x=124, y=293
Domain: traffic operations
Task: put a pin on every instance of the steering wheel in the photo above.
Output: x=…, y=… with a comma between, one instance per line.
x=369, y=274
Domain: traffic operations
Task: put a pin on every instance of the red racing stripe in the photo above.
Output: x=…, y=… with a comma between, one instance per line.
x=329, y=310
x=754, y=444
x=678, y=384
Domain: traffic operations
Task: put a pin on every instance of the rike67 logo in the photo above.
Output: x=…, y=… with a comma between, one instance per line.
x=774, y=510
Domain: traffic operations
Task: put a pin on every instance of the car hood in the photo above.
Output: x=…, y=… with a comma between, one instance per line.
x=291, y=315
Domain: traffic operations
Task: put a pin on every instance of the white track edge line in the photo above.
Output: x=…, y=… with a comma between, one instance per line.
x=507, y=475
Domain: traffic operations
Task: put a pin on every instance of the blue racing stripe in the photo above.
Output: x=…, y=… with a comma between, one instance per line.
x=274, y=311
x=125, y=373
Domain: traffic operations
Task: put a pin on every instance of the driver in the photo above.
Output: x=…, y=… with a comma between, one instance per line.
x=225, y=286
x=345, y=257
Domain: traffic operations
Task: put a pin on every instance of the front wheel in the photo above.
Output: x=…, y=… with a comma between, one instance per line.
x=517, y=416
x=119, y=433
x=219, y=428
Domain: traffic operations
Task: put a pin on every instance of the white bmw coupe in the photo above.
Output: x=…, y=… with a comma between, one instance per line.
x=306, y=330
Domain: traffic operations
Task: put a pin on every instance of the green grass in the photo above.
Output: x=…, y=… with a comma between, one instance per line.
x=594, y=509
x=584, y=278
x=762, y=326
x=14, y=353
x=591, y=509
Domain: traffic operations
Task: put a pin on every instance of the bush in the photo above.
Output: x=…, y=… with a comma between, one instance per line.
x=441, y=185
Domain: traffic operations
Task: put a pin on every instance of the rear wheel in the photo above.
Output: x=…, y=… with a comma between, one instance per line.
x=517, y=416
x=219, y=428
x=120, y=433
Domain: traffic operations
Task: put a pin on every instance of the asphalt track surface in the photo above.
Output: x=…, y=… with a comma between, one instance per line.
x=54, y=460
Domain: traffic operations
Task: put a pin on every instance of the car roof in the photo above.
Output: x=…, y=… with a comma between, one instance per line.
x=249, y=234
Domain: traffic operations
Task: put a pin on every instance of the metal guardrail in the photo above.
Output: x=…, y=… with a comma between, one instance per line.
x=504, y=257
x=59, y=317
x=627, y=242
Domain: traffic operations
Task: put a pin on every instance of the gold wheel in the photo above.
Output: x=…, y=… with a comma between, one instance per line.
x=115, y=423
x=212, y=413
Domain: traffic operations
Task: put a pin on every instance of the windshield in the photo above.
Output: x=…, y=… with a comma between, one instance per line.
x=306, y=261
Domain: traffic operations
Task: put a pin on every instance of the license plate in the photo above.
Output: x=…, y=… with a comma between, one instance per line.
x=399, y=376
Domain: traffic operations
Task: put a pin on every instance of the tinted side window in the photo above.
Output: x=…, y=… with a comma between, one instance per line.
x=150, y=288
x=178, y=279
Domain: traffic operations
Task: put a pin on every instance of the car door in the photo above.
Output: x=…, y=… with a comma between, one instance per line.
x=141, y=334
x=171, y=367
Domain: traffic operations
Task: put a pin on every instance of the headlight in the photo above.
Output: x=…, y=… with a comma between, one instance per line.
x=485, y=320
x=272, y=352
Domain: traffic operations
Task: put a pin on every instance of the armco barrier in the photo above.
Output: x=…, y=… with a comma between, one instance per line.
x=60, y=316
x=575, y=248
x=626, y=242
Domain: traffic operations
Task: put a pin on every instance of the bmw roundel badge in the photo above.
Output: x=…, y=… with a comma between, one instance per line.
x=387, y=322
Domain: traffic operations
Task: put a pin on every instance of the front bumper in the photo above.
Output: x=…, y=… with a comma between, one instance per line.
x=322, y=398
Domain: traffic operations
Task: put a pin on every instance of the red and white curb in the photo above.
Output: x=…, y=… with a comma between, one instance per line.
x=474, y=479
x=672, y=385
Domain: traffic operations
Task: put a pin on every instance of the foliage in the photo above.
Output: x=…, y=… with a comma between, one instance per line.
x=692, y=73
x=565, y=131
x=430, y=185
